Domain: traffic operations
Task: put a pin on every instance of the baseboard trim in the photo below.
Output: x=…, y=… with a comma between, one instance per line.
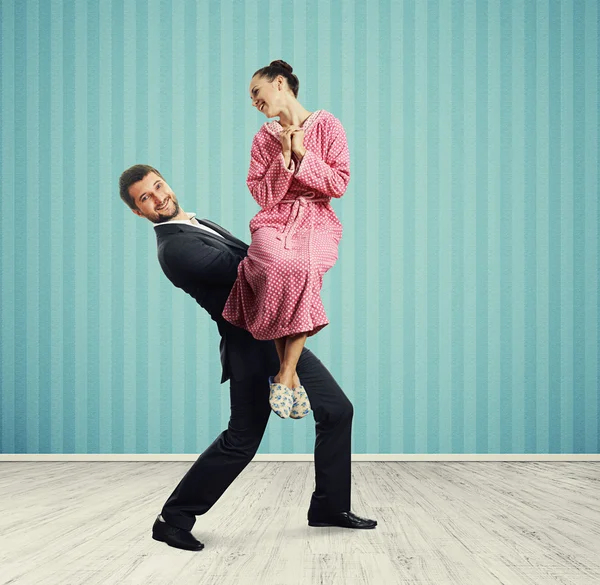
x=68, y=457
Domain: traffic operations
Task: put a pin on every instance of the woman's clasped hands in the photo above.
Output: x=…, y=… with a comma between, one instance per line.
x=292, y=141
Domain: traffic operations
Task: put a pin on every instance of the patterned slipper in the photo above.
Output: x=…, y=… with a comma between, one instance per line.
x=301, y=405
x=281, y=398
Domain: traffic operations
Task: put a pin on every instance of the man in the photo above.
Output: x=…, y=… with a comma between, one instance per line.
x=201, y=258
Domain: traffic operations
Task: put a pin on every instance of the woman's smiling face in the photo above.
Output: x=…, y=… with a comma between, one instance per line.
x=266, y=95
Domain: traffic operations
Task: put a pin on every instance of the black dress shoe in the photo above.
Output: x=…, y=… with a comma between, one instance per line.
x=342, y=519
x=175, y=537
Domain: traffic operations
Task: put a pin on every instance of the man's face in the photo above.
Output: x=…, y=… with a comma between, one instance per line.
x=154, y=199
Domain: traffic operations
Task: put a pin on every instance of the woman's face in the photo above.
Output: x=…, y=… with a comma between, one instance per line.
x=267, y=95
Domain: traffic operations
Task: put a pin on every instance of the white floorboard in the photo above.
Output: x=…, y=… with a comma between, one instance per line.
x=474, y=523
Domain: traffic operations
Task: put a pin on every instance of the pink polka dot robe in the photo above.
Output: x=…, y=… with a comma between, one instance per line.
x=295, y=235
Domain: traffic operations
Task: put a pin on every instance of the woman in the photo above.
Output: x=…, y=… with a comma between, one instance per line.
x=298, y=164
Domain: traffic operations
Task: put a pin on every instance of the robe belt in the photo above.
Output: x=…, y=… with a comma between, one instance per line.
x=298, y=207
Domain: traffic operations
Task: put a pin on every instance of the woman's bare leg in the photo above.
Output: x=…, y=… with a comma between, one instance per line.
x=280, y=344
x=287, y=371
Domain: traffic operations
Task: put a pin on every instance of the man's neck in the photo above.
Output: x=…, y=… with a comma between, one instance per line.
x=181, y=216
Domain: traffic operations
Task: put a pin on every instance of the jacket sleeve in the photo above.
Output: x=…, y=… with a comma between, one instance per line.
x=331, y=174
x=268, y=177
x=194, y=261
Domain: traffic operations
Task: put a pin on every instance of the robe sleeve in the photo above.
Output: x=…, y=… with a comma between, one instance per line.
x=331, y=174
x=268, y=177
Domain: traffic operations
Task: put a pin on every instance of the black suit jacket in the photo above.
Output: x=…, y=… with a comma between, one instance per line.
x=205, y=266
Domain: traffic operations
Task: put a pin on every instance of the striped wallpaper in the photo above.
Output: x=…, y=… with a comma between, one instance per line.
x=464, y=304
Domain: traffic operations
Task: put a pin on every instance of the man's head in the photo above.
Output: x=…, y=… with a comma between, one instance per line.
x=148, y=195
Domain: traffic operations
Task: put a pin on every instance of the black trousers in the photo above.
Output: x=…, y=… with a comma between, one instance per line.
x=214, y=471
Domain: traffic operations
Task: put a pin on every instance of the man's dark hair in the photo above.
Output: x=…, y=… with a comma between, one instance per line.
x=129, y=177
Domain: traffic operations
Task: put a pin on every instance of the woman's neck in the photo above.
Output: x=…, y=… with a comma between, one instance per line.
x=294, y=116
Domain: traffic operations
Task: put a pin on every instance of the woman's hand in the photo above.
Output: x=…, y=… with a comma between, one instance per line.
x=285, y=137
x=298, y=142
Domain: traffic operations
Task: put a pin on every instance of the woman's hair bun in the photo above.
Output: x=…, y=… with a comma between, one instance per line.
x=279, y=67
x=282, y=64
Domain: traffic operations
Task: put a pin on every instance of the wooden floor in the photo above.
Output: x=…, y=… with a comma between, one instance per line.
x=439, y=523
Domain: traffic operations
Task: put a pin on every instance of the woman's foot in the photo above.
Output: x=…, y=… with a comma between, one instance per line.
x=281, y=398
x=287, y=380
x=301, y=406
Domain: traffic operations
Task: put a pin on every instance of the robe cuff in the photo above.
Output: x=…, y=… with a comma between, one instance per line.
x=301, y=165
x=289, y=170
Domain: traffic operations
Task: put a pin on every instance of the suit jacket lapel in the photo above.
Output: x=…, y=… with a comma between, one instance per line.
x=227, y=235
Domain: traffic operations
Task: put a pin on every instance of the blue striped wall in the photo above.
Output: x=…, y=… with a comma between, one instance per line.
x=464, y=304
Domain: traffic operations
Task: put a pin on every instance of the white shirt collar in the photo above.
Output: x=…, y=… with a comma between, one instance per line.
x=188, y=221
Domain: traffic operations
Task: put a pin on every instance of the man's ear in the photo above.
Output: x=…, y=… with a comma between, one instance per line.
x=138, y=212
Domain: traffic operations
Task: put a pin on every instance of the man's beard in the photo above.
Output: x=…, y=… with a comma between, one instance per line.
x=163, y=218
